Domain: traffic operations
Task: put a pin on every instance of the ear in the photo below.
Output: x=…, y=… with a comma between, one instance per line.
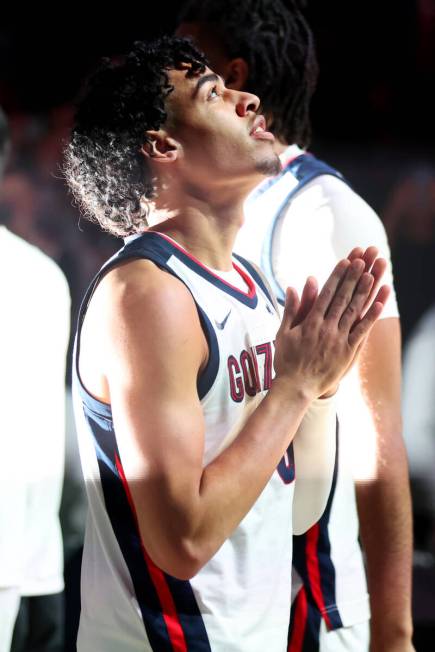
x=236, y=74
x=160, y=147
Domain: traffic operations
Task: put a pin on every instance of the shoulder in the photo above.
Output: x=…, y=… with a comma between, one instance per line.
x=339, y=194
x=142, y=283
x=351, y=219
x=140, y=298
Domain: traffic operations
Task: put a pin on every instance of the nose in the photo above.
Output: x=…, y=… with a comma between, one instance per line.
x=246, y=102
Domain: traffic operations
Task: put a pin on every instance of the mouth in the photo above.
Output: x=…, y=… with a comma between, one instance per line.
x=258, y=130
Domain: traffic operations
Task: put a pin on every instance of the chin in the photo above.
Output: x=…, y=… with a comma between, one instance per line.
x=269, y=166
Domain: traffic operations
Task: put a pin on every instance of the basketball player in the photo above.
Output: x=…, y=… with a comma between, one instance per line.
x=302, y=222
x=186, y=419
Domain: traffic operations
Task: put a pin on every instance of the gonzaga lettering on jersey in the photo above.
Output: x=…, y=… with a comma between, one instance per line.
x=240, y=600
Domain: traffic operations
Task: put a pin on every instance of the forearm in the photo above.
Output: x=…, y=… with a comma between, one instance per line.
x=384, y=502
x=386, y=534
x=314, y=452
x=194, y=526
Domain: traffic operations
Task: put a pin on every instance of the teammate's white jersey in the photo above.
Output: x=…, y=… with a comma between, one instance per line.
x=323, y=222
x=240, y=600
x=34, y=330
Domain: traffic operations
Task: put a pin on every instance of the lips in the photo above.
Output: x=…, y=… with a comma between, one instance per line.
x=258, y=130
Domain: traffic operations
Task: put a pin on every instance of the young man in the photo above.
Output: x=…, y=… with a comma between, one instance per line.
x=186, y=436
x=295, y=227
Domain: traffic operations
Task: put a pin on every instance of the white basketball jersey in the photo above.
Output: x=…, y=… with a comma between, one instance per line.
x=240, y=600
x=323, y=221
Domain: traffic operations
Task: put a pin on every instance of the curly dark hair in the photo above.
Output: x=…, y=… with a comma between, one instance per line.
x=104, y=168
x=278, y=46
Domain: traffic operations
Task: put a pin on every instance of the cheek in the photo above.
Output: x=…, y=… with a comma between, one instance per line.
x=222, y=150
x=217, y=142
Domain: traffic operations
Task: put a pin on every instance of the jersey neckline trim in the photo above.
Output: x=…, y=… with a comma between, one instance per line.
x=206, y=271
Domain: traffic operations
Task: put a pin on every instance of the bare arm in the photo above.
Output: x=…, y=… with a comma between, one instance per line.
x=314, y=451
x=384, y=505
x=152, y=355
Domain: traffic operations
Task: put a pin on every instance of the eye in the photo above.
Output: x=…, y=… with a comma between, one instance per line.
x=213, y=93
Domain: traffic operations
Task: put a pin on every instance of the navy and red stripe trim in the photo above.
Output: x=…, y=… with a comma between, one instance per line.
x=171, y=617
x=312, y=560
x=257, y=277
x=305, y=624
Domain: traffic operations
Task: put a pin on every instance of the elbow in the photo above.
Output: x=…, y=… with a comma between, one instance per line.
x=182, y=559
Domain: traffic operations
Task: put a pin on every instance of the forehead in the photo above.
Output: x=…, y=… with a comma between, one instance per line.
x=185, y=94
x=184, y=81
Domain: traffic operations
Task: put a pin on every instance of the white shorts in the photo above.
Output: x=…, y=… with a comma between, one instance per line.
x=346, y=639
x=9, y=604
x=308, y=631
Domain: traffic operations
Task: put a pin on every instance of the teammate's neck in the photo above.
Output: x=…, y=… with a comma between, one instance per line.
x=280, y=146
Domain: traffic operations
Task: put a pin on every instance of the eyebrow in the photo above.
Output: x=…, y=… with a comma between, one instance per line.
x=211, y=76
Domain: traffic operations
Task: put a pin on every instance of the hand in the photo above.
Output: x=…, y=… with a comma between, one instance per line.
x=374, y=265
x=320, y=335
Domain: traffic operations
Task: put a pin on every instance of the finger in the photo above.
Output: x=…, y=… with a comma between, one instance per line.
x=383, y=294
x=329, y=289
x=364, y=326
x=369, y=257
x=357, y=252
x=378, y=269
x=352, y=313
x=381, y=297
x=309, y=296
x=345, y=291
x=291, y=307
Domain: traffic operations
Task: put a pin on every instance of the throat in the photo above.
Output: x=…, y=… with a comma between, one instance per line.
x=232, y=277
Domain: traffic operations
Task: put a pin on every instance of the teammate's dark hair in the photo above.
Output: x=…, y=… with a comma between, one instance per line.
x=4, y=141
x=106, y=172
x=277, y=44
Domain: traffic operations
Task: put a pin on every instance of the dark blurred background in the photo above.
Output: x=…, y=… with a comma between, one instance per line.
x=373, y=118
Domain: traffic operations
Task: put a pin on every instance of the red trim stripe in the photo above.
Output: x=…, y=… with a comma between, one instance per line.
x=296, y=642
x=169, y=611
x=313, y=569
x=246, y=278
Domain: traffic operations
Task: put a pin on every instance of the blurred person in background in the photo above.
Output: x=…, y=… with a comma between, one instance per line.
x=302, y=222
x=34, y=331
x=409, y=218
x=419, y=422
x=419, y=429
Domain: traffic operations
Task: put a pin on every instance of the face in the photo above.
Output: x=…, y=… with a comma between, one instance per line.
x=222, y=140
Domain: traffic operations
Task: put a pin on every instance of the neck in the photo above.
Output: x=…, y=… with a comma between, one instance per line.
x=206, y=227
x=280, y=146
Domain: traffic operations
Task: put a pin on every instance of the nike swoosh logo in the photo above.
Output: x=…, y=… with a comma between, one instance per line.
x=221, y=324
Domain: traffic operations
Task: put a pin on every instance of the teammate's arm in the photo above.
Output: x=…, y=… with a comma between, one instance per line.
x=154, y=351
x=384, y=504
